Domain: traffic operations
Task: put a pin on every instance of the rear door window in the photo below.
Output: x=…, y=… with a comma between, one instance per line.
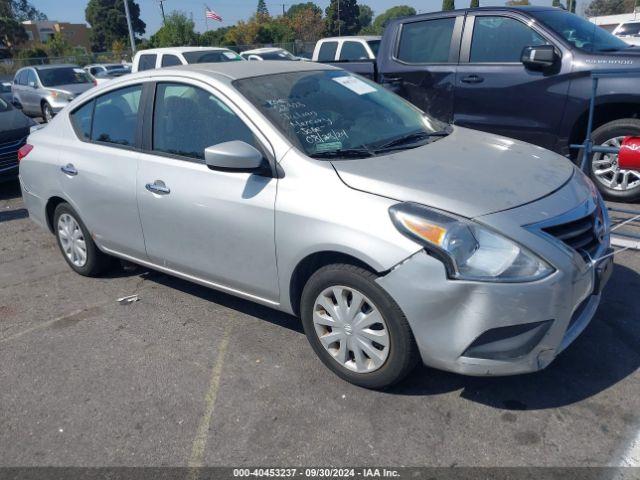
x=327, y=51
x=31, y=78
x=427, y=41
x=170, y=61
x=115, y=119
x=81, y=120
x=353, y=51
x=147, y=62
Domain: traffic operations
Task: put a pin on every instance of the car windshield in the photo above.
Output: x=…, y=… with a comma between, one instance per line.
x=115, y=67
x=375, y=46
x=5, y=87
x=579, y=32
x=278, y=55
x=211, y=56
x=51, y=77
x=629, y=29
x=4, y=105
x=331, y=112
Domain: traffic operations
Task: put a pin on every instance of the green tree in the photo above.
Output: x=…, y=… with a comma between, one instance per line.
x=309, y=8
x=555, y=3
x=598, y=8
x=384, y=18
x=448, y=5
x=31, y=53
x=366, y=16
x=214, y=38
x=23, y=10
x=517, y=3
x=12, y=32
x=342, y=17
x=262, y=8
x=108, y=22
x=58, y=45
x=475, y=4
x=178, y=30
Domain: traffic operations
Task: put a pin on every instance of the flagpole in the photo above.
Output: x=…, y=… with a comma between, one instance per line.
x=206, y=19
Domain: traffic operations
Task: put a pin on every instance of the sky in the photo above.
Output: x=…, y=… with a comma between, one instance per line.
x=230, y=10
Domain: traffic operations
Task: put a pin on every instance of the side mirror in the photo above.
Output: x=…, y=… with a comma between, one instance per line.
x=540, y=57
x=32, y=84
x=236, y=155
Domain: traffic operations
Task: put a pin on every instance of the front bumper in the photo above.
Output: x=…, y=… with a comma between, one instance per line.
x=482, y=328
x=447, y=316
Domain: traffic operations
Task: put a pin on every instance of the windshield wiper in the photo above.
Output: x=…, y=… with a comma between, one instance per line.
x=344, y=153
x=413, y=139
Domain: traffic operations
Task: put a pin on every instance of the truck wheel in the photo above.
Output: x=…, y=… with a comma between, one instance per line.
x=613, y=182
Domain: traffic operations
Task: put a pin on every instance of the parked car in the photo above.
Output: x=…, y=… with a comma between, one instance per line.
x=267, y=53
x=629, y=32
x=519, y=72
x=310, y=190
x=14, y=129
x=346, y=49
x=105, y=76
x=97, y=68
x=5, y=91
x=45, y=90
x=169, y=57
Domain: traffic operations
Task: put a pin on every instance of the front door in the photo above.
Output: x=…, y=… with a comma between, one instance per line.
x=214, y=225
x=494, y=90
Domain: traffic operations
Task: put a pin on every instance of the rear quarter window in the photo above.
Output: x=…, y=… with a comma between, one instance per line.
x=147, y=62
x=327, y=51
x=81, y=119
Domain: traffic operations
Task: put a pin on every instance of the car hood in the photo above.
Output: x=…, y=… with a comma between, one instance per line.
x=14, y=125
x=73, y=88
x=469, y=173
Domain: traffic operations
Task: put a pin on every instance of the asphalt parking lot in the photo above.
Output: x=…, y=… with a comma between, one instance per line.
x=187, y=375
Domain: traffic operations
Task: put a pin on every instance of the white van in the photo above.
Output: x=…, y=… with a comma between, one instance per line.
x=168, y=57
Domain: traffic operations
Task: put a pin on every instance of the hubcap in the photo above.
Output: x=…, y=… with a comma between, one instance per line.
x=608, y=173
x=72, y=240
x=48, y=114
x=351, y=329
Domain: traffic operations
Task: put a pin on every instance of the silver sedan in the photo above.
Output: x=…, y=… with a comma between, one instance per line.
x=395, y=237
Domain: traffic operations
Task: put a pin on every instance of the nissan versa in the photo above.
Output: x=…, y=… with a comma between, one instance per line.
x=305, y=188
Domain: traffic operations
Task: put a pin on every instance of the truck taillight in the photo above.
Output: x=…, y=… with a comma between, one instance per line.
x=24, y=151
x=629, y=156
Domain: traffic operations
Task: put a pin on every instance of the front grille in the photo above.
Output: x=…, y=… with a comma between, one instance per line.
x=582, y=235
x=9, y=153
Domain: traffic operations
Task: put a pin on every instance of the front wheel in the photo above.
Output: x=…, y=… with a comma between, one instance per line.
x=614, y=182
x=356, y=328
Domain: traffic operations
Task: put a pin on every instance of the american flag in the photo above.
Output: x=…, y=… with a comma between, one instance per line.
x=210, y=14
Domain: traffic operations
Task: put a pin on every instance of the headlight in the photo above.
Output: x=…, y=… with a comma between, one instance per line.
x=64, y=97
x=468, y=250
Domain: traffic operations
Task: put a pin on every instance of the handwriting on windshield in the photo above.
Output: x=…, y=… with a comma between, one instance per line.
x=309, y=125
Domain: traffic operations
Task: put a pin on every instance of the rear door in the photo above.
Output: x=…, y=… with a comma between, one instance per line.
x=29, y=94
x=98, y=168
x=494, y=90
x=423, y=62
x=215, y=225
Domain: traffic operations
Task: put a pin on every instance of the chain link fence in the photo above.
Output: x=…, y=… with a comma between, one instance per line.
x=9, y=66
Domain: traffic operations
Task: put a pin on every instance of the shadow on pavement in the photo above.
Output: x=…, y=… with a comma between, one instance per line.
x=9, y=189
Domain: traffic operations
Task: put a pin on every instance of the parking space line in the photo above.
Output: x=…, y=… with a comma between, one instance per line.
x=200, y=441
x=48, y=323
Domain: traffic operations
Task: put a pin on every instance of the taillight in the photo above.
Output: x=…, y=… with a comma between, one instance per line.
x=24, y=151
x=95, y=82
x=629, y=156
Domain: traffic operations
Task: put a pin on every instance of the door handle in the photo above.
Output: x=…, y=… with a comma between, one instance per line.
x=472, y=79
x=69, y=169
x=158, y=187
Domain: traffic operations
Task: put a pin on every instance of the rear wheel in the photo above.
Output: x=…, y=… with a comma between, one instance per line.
x=47, y=112
x=614, y=182
x=356, y=328
x=76, y=245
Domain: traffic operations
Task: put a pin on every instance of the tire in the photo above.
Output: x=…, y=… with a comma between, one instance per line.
x=400, y=354
x=95, y=262
x=47, y=112
x=611, y=183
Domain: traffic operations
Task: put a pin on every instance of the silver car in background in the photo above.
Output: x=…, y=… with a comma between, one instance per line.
x=43, y=91
x=395, y=237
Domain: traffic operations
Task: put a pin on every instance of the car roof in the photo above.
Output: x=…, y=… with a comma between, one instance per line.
x=52, y=67
x=264, y=50
x=231, y=71
x=366, y=38
x=179, y=49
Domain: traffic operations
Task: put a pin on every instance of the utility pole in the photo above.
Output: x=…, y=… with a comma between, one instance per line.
x=339, y=26
x=161, y=2
x=131, y=37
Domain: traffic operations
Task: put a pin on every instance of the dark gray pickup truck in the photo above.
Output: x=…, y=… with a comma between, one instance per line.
x=521, y=72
